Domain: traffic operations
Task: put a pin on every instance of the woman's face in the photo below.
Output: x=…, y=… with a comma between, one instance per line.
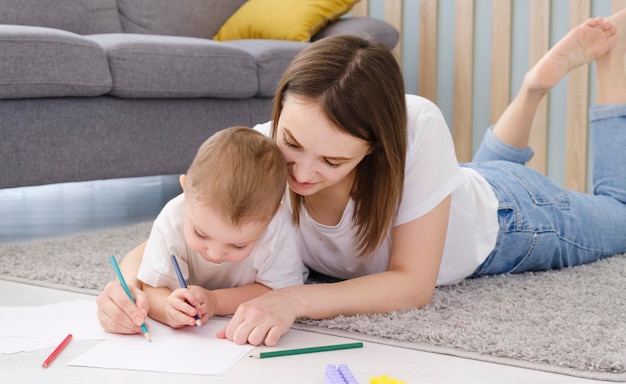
x=318, y=154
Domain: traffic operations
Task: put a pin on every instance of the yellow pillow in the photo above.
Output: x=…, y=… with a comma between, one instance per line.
x=295, y=20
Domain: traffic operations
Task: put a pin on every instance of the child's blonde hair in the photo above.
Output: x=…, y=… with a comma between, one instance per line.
x=240, y=173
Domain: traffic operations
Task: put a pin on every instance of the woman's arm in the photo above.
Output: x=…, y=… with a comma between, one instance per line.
x=116, y=312
x=227, y=300
x=409, y=282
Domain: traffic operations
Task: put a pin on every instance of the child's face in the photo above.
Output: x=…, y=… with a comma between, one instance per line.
x=318, y=155
x=214, y=238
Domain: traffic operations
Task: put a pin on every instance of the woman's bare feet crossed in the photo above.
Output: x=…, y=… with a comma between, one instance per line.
x=583, y=44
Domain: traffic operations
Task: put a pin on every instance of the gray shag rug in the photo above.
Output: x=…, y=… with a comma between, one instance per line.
x=571, y=321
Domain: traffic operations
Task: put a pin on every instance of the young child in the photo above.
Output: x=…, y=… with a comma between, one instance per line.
x=228, y=231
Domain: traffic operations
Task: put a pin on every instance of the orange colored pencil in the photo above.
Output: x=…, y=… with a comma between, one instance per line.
x=57, y=351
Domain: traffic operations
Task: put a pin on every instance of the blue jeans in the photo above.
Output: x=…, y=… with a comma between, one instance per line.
x=544, y=226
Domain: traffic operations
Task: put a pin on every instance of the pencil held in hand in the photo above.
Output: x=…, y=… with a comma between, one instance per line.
x=181, y=281
x=120, y=277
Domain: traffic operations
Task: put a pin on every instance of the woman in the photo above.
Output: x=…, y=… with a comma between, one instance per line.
x=382, y=203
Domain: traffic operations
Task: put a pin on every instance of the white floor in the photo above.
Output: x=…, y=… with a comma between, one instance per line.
x=23, y=213
x=372, y=360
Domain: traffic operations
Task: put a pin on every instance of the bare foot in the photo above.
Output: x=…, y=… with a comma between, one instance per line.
x=581, y=45
x=611, y=79
x=618, y=19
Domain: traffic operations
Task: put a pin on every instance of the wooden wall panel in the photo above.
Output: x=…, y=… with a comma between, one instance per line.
x=393, y=15
x=463, y=78
x=427, y=50
x=577, y=111
x=618, y=5
x=500, y=93
x=360, y=9
x=539, y=27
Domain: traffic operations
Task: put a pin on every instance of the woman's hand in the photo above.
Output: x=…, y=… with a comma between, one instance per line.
x=116, y=311
x=182, y=305
x=261, y=320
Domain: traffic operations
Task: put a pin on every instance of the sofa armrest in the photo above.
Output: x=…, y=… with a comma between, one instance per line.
x=367, y=27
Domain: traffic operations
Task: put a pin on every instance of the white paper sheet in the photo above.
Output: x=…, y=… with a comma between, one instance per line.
x=10, y=345
x=25, y=329
x=190, y=350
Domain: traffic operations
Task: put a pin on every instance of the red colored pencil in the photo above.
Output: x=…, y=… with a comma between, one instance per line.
x=57, y=351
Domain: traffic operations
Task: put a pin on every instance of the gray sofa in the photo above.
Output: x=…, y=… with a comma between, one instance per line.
x=98, y=89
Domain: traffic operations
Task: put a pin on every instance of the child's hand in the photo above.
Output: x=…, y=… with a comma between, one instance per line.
x=183, y=305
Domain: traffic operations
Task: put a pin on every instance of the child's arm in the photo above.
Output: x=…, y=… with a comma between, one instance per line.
x=157, y=297
x=178, y=308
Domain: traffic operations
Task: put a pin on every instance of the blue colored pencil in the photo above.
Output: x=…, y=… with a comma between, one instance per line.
x=183, y=284
x=120, y=277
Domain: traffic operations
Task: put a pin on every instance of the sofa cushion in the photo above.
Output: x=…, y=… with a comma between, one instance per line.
x=149, y=66
x=282, y=19
x=191, y=18
x=46, y=62
x=272, y=58
x=366, y=27
x=79, y=16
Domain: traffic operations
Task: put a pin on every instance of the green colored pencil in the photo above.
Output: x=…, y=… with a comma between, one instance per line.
x=120, y=277
x=298, y=351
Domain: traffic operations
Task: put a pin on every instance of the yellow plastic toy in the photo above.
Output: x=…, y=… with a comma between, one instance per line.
x=385, y=380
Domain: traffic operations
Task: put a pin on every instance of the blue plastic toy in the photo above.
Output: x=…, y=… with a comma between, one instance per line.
x=339, y=375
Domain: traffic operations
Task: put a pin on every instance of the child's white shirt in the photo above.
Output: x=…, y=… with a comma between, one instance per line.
x=432, y=173
x=274, y=262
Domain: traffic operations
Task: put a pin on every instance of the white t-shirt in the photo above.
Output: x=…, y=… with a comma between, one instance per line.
x=432, y=173
x=274, y=262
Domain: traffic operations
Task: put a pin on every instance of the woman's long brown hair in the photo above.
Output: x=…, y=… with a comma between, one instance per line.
x=359, y=86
